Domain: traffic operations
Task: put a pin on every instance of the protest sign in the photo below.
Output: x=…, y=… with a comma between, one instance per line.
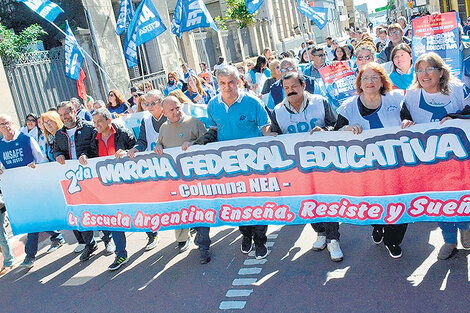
x=382, y=176
x=340, y=81
x=438, y=33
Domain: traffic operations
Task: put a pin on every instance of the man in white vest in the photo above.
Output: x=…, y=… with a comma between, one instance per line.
x=149, y=129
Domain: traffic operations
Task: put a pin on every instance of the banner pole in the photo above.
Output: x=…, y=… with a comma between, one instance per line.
x=301, y=22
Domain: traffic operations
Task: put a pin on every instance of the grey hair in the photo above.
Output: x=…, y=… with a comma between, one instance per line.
x=101, y=103
x=154, y=93
x=402, y=18
x=104, y=113
x=228, y=70
x=66, y=104
x=288, y=60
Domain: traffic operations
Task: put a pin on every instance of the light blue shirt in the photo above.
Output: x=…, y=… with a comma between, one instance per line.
x=243, y=119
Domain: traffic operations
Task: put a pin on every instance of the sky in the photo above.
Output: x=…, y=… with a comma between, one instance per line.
x=372, y=4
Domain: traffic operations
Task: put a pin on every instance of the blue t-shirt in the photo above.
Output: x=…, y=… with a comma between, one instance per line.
x=17, y=152
x=243, y=119
x=195, y=94
x=118, y=110
x=170, y=88
x=402, y=81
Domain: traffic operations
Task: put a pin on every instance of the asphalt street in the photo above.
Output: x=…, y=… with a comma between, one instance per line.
x=293, y=278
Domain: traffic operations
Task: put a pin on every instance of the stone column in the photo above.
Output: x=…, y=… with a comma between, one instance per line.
x=189, y=45
x=108, y=44
x=290, y=17
x=255, y=42
x=8, y=104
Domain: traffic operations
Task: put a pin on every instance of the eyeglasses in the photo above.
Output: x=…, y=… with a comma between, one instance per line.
x=427, y=70
x=321, y=55
x=48, y=122
x=372, y=78
x=151, y=104
x=30, y=120
x=5, y=124
x=394, y=32
x=287, y=69
x=365, y=58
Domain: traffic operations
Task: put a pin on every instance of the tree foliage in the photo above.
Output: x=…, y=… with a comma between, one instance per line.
x=14, y=45
x=237, y=11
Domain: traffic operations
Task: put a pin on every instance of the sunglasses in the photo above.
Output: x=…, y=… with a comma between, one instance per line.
x=30, y=120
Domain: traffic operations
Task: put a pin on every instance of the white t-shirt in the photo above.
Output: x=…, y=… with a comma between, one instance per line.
x=71, y=134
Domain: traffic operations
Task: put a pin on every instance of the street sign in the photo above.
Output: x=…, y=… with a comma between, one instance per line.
x=381, y=9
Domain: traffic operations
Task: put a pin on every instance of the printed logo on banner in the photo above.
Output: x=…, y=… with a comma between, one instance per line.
x=318, y=15
x=190, y=15
x=73, y=55
x=438, y=33
x=125, y=16
x=44, y=8
x=340, y=81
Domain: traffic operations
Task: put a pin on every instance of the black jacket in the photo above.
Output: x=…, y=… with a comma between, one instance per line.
x=83, y=140
x=123, y=139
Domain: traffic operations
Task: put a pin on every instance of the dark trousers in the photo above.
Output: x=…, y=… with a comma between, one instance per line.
x=119, y=238
x=32, y=241
x=151, y=235
x=257, y=232
x=87, y=238
x=328, y=229
x=202, y=239
x=393, y=234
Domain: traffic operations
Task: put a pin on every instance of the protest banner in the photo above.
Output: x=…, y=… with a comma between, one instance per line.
x=340, y=82
x=133, y=121
x=438, y=33
x=381, y=176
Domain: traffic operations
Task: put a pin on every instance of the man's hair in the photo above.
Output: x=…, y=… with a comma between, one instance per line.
x=288, y=60
x=104, y=113
x=228, y=70
x=290, y=75
x=154, y=93
x=66, y=104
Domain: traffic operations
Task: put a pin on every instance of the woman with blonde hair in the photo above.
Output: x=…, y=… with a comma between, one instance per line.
x=376, y=105
x=52, y=123
x=438, y=96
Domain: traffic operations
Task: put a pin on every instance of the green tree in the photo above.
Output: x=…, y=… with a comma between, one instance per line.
x=237, y=11
x=14, y=45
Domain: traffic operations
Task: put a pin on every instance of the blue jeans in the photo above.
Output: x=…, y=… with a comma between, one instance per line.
x=449, y=230
x=120, y=242
x=31, y=247
x=8, y=258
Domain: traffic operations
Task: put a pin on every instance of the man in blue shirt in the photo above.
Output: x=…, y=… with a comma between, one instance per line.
x=16, y=150
x=240, y=115
x=318, y=58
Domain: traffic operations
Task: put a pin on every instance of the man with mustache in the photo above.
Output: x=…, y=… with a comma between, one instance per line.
x=302, y=112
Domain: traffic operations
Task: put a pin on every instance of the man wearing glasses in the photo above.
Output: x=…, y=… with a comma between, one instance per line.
x=277, y=94
x=318, y=58
x=149, y=129
x=395, y=34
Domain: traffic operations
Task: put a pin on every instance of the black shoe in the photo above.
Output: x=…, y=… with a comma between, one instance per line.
x=205, y=257
x=261, y=251
x=118, y=262
x=378, y=235
x=394, y=250
x=183, y=246
x=88, y=252
x=247, y=244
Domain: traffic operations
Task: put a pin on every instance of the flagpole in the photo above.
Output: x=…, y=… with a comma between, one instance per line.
x=205, y=50
x=141, y=60
x=305, y=40
x=90, y=57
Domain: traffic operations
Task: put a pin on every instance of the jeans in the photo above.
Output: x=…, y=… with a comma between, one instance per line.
x=119, y=238
x=31, y=247
x=449, y=230
x=8, y=258
x=328, y=229
x=257, y=232
x=202, y=238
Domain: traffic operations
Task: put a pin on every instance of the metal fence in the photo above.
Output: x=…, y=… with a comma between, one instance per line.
x=157, y=79
x=37, y=81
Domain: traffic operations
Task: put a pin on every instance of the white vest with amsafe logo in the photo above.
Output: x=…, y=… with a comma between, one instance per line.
x=305, y=121
x=150, y=134
x=388, y=114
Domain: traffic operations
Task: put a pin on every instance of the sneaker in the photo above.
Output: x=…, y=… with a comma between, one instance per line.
x=261, y=251
x=79, y=248
x=192, y=231
x=183, y=246
x=377, y=235
x=247, y=244
x=152, y=243
x=55, y=245
x=27, y=263
x=110, y=247
x=5, y=269
x=88, y=252
x=465, y=238
x=446, y=251
x=336, y=255
x=320, y=244
x=394, y=251
x=118, y=262
x=205, y=257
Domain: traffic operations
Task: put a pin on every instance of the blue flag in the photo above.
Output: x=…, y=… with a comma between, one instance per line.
x=144, y=26
x=45, y=8
x=189, y=15
x=318, y=15
x=73, y=55
x=125, y=15
x=253, y=5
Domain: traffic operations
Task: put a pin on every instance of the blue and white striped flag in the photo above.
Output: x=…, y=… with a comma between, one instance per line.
x=45, y=8
x=126, y=12
x=318, y=15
